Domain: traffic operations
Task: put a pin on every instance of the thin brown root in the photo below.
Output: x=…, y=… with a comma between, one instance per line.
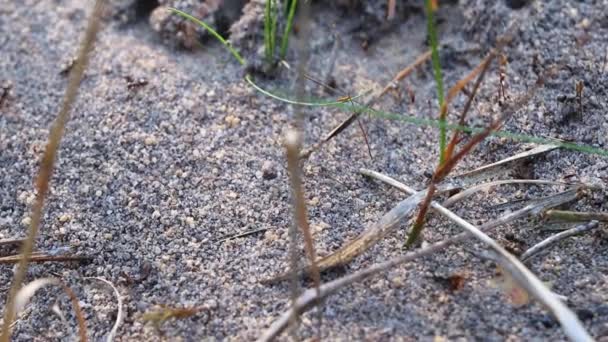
x=483, y=67
x=405, y=72
x=364, y=132
x=82, y=325
x=13, y=259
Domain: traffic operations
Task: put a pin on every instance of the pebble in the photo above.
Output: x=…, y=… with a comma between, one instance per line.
x=269, y=170
x=190, y=221
x=150, y=140
x=26, y=221
x=65, y=218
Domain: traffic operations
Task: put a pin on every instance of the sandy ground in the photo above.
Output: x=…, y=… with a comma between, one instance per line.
x=150, y=176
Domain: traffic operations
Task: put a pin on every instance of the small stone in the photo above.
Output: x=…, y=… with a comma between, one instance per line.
x=211, y=304
x=584, y=314
x=232, y=121
x=150, y=140
x=156, y=214
x=398, y=281
x=268, y=170
x=108, y=236
x=65, y=218
x=26, y=221
x=317, y=228
x=190, y=221
x=22, y=197
x=313, y=201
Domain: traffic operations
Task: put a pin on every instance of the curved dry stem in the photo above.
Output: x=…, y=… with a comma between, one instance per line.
x=28, y=291
x=119, y=315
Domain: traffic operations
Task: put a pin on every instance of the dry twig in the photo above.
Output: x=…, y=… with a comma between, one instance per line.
x=574, y=216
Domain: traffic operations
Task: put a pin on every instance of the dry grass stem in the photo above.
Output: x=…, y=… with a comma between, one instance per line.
x=355, y=115
x=243, y=234
x=365, y=240
x=505, y=165
x=526, y=279
x=574, y=216
x=300, y=212
x=12, y=242
x=48, y=162
x=309, y=297
x=543, y=245
x=487, y=186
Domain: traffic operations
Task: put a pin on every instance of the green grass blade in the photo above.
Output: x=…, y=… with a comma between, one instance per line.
x=294, y=102
x=269, y=30
x=213, y=32
x=288, y=26
x=273, y=27
x=348, y=106
x=432, y=30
